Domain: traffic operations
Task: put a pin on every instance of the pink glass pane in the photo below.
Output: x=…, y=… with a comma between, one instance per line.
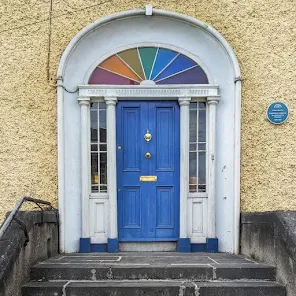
x=101, y=76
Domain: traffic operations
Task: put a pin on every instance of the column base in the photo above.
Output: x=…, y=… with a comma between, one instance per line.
x=113, y=246
x=183, y=245
x=84, y=245
x=211, y=246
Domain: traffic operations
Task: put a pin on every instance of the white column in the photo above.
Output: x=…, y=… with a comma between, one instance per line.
x=111, y=165
x=85, y=162
x=61, y=163
x=184, y=163
x=211, y=183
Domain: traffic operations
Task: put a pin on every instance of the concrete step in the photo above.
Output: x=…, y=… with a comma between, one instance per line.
x=91, y=271
x=154, y=287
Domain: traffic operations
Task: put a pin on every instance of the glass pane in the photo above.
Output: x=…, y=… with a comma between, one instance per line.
x=95, y=189
x=192, y=147
x=191, y=76
x=164, y=57
x=202, y=126
x=202, y=147
x=103, y=132
x=94, y=168
x=102, y=106
x=94, y=126
x=192, y=126
x=93, y=106
x=101, y=76
x=103, y=188
x=193, y=105
x=192, y=172
x=147, y=55
x=181, y=63
x=103, y=147
x=116, y=65
x=103, y=168
x=202, y=188
x=102, y=118
x=131, y=57
x=192, y=165
x=94, y=147
x=193, y=187
x=202, y=105
x=201, y=168
x=103, y=135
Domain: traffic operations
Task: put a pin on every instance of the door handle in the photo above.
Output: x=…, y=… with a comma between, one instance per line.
x=148, y=155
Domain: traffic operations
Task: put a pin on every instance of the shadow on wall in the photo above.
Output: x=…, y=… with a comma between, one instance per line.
x=271, y=238
x=17, y=255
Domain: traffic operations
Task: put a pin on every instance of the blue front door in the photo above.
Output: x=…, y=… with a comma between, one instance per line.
x=148, y=211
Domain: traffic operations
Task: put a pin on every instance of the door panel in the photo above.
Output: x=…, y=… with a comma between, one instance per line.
x=165, y=138
x=131, y=138
x=131, y=207
x=164, y=207
x=148, y=211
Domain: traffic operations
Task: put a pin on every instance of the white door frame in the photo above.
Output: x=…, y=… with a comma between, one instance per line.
x=69, y=76
x=184, y=94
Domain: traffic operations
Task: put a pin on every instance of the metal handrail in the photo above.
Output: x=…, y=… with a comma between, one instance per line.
x=16, y=210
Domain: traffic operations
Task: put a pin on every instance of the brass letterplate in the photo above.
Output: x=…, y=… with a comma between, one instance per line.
x=148, y=178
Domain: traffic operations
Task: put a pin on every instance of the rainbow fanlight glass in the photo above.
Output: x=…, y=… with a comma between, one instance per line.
x=160, y=65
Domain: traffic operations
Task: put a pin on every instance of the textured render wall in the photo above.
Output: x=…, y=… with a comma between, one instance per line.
x=262, y=34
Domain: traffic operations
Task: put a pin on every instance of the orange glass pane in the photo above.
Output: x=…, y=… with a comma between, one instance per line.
x=116, y=65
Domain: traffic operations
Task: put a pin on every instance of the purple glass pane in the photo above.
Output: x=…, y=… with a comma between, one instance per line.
x=193, y=76
x=101, y=76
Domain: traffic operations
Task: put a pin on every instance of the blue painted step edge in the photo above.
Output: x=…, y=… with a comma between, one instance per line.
x=211, y=246
x=85, y=246
x=183, y=246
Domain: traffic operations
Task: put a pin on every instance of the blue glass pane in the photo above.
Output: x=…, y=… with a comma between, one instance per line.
x=181, y=63
x=164, y=56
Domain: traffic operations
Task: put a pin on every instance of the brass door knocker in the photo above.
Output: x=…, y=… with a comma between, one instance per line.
x=147, y=136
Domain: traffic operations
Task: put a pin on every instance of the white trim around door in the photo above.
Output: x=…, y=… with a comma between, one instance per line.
x=111, y=94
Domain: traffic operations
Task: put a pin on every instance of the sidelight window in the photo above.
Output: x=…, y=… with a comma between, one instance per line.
x=98, y=134
x=197, y=147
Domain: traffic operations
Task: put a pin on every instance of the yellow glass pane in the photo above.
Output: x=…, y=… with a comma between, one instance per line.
x=131, y=57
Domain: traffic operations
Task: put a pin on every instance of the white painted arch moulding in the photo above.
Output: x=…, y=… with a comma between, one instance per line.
x=237, y=106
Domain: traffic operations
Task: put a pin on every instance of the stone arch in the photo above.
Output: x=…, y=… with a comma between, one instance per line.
x=130, y=28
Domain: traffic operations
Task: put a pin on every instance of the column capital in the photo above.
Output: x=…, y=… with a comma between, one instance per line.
x=184, y=101
x=83, y=101
x=110, y=101
x=213, y=100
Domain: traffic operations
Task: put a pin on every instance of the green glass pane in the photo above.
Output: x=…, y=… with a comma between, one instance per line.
x=147, y=55
x=131, y=57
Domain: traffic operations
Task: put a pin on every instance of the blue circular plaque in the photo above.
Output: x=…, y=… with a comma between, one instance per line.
x=277, y=112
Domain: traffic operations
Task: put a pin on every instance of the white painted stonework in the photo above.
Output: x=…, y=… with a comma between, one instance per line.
x=216, y=213
x=202, y=213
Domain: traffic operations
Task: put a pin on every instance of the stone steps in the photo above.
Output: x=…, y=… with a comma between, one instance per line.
x=163, y=274
x=153, y=287
x=48, y=271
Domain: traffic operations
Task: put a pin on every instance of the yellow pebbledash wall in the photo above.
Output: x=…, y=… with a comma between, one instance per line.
x=262, y=34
